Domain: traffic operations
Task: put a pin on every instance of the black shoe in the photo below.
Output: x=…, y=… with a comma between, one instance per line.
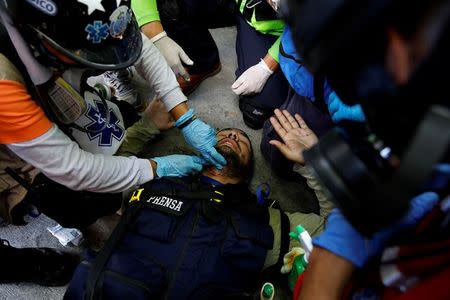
x=43, y=266
x=254, y=116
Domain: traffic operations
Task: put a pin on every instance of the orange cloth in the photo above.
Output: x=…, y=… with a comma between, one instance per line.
x=21, y=119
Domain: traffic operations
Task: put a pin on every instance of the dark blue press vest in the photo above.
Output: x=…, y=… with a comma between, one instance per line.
x=179, y=239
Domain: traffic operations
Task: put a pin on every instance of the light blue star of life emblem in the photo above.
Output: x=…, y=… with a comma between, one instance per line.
x=97, y=31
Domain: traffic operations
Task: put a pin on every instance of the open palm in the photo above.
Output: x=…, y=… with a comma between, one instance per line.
x=295, y=134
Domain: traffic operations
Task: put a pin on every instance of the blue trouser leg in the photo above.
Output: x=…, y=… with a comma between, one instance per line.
x=251, y=46
x=187, y=23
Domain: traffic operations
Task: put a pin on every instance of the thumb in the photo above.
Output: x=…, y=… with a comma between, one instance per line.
x=282, y=147
x=419, y=207
x=183, y=73
x=333, y=106
x=199, y=160
x=185, y=58
x=216, y=158
x=238, y=82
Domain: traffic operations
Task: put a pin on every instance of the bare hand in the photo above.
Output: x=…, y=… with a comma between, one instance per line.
x=156, y=111
x=295, y=134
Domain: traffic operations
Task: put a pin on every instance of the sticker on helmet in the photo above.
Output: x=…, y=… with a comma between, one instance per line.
x=46, y=6
x=92, y=5
x=120, y=18
x=97, y=31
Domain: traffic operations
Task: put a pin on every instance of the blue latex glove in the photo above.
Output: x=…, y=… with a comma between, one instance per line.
x=202, y=137
x=178, y=165
x=340, y=111
x=343, y=240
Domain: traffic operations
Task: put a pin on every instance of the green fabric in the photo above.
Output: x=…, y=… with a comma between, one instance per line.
x=146, y=11
x=137, y=137
x=272, y=27
x=274, y=51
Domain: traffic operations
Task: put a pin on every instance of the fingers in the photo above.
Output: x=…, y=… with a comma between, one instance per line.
x=282, y=147
x=291, y=120
x=301, y=122
x=420, y=206
x=237, y=83
x=183, y=73
x=333, y=103
x=278, y=128
x=185, y=58
x=215, y=158
x=171, y=124
x=239, y=86
x=198, y=163
x=282, y=118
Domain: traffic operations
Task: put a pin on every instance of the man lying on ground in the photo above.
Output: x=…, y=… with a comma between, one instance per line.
x=198, y=237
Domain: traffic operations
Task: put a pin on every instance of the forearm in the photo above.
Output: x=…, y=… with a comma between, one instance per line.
x=271, y=63
x=63, y=161
x=152, y=66
x=326, y=206
x=152, y=29
x=326, y=277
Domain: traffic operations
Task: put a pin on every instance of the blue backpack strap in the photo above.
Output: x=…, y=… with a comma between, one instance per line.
x=94, y=279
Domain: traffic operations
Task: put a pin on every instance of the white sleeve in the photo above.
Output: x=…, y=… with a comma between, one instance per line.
x=152, y=66
x=61, y=159
x=326, y=206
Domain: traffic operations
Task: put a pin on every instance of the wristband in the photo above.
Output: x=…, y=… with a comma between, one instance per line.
x=185, y=119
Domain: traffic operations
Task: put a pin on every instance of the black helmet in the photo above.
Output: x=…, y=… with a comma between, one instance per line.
x=372, y=176
x=99, y=34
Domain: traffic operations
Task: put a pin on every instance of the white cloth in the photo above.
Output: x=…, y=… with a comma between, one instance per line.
x=62, y=160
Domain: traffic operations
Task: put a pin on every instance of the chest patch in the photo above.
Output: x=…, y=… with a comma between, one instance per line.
x=167, y=204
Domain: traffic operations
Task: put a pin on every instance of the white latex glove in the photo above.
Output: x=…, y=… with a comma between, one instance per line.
x=252, y=80
x=173, y=54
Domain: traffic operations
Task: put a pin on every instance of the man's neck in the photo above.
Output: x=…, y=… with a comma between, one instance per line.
x=217, y=175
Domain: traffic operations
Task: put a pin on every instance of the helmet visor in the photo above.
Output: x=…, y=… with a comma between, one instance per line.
x=112, y=54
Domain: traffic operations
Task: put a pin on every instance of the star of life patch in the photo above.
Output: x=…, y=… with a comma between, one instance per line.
x=108, y=140
x=97, y=32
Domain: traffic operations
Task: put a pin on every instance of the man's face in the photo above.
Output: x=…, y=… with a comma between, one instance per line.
x=234, y=140
x=235, y=146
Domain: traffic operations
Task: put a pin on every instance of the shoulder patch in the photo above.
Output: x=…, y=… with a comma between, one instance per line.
x=48, y=7
x=8, y=71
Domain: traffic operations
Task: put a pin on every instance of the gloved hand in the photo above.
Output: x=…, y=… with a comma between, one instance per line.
x=201, y=136
x=252, y=81
x=343, y=240
x=173, y=54
x=340, y=111
x=178, y=165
